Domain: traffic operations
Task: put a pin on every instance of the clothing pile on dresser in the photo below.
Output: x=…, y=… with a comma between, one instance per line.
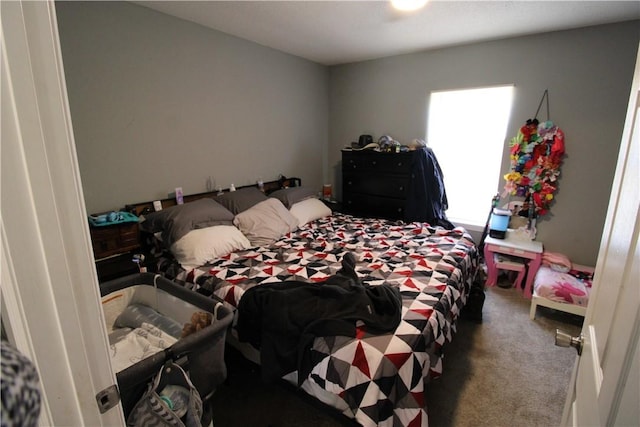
x=427, y=197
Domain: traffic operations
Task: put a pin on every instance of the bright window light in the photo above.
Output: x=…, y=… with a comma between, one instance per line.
x=466, y=130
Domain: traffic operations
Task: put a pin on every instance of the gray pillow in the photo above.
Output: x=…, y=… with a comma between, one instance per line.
x=266, y=222
x=241, y=200
x=293, y=195
x=176, y=221
x=136, y=314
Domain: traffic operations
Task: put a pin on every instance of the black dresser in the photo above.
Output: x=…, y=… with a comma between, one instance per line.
x=407, y=186
x=376, y=184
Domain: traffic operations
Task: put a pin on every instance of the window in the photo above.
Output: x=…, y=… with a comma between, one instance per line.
x=466, y=130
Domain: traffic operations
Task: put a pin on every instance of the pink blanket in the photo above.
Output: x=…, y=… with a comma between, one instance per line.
x=572, y=287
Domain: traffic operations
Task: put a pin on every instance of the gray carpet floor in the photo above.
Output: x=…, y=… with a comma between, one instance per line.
x=504, y=371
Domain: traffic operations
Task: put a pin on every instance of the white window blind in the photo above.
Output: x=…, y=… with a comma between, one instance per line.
x=466, y=130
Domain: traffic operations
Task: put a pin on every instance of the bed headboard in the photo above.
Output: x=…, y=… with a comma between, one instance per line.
x=269, y=187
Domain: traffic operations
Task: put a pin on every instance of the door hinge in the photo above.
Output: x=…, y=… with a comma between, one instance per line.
x=107, y=398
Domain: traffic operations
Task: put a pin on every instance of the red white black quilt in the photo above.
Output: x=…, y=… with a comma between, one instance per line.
x=380, y=377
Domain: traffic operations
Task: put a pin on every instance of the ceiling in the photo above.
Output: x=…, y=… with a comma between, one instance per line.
x=337, y=32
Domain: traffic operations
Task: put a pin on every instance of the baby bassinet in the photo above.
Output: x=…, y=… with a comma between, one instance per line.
x=200, y=354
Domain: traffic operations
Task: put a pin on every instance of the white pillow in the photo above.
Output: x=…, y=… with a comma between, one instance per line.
x=265, y=222
x=202, y=245
x=309, y=210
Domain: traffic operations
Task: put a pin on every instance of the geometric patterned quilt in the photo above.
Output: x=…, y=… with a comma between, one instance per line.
x=380, y=378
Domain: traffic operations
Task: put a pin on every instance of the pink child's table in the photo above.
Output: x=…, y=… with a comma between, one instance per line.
x=512, y=244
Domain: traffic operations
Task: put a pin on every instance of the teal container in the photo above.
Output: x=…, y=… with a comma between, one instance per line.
x=499, y=223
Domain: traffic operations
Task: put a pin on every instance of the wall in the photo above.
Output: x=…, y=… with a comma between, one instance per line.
x=588, y=73
x=158, y=102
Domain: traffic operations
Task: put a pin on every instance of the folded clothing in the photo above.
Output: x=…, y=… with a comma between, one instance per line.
x=139, y=344
x=118, y=334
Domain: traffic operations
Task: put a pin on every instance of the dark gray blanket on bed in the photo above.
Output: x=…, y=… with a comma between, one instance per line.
x=282, y=319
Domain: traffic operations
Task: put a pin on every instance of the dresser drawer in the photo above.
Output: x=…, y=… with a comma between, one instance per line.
x=373, y=206
x=380, y=185
x=129, y=234
x=114, y=239
x=116, y=266
x=395, y=163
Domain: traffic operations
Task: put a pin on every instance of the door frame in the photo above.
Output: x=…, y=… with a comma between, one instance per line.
x=50, y=294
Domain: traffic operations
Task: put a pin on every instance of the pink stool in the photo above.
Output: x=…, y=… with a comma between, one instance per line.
x=503, y=263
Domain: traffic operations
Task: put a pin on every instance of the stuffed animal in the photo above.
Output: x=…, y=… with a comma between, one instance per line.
x=199, y=320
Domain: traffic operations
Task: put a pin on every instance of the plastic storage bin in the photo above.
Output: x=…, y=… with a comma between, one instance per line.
x=499, y=222
x=201, y=354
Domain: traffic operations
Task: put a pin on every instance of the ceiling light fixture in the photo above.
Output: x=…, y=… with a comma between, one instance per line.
x=408, y=5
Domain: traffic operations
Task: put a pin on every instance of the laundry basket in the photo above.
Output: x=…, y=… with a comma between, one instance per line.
x=200, y=354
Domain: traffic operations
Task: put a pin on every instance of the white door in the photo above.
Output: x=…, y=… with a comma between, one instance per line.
x=49, y=295
x=605, y=387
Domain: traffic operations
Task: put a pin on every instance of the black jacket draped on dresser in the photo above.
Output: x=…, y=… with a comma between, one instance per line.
x=427, y=197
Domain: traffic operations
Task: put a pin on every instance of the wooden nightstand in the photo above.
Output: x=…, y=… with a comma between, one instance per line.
x=113, y=247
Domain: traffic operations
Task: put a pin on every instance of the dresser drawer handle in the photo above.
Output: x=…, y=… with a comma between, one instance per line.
x=401, y=188
x=374, y=163
x=399, y=164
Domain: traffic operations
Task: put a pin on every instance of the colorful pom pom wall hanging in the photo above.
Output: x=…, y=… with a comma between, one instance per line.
x=536, y=154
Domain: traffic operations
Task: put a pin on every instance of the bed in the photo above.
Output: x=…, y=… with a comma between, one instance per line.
x=378, y=379
x=565, y=290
